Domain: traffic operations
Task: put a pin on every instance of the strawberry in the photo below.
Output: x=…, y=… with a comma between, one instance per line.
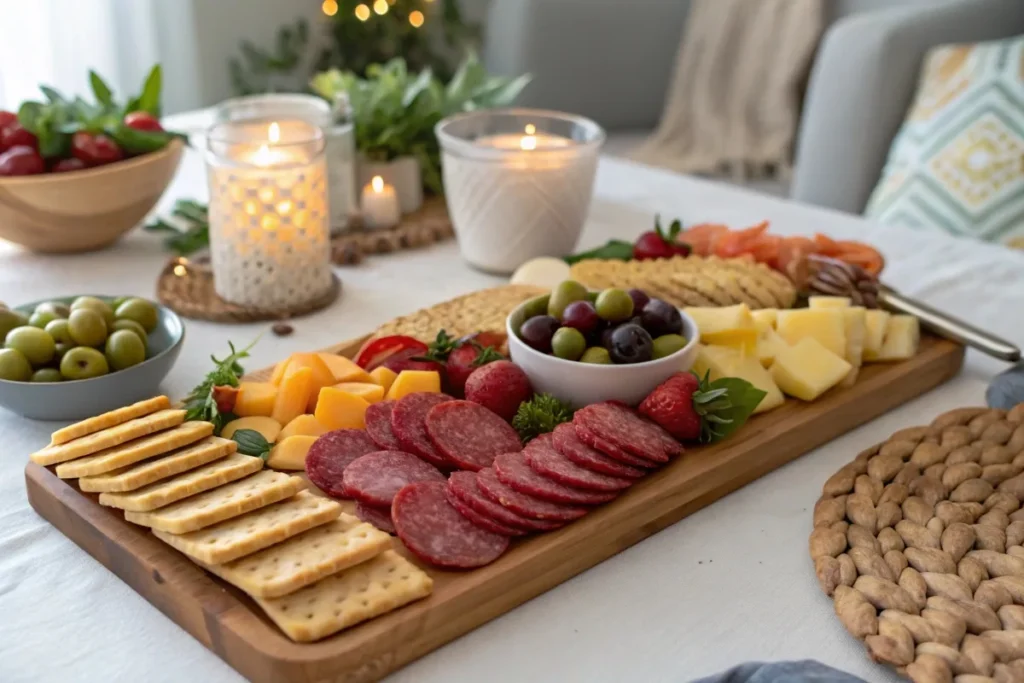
x=656, y=244
x=688, y=408
x=467, y=357
x=400, y=362
x=500, y=387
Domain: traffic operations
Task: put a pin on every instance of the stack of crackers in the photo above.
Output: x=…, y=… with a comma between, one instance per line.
x=692, y=280
x=311, y=568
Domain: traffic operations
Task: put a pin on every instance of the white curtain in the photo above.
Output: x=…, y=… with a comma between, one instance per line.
x=57, y=42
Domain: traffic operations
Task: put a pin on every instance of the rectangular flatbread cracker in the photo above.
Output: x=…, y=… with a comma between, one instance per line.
x=136, y=476
x=163, y=493
x=362, y=592
x=305, y=559
x=108, y=438
x=135, y=451
x=234, y=499
x=255, y=530
x=108, y=420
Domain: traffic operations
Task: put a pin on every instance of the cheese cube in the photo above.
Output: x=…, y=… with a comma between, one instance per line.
x=304, y=425
x=808, y=369
x=828, y=302
x=714, y=361
x=855, y=318
x=368, y=391
x=412, y=381
x=255, y=398
x=875, y=322
x=902, y=337
x=384, y=377
x=268, y=427
x=279, y=370
x=290, y=453
x=344, y=369
x=726, y=326
x=721, y=361
x=322, y=376
x=764, y=319
x=293, y=395
x=826, y=325
x=768, y=346
x=337, y=409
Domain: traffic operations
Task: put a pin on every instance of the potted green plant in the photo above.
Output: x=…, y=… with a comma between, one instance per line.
x=394, y=112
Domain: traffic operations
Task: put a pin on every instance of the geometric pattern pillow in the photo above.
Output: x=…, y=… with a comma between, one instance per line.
x=957, y=163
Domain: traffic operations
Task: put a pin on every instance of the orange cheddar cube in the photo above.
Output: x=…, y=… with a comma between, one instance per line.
x=267, y=426
x=293, y=394
x=344, y=369
x=412, y=381
x=384, y=377
x=369, y=392
x=304, y=425
x=279, y=370
x=322, y=376
x=290, y=453
x=255, y=399
x=337, y=409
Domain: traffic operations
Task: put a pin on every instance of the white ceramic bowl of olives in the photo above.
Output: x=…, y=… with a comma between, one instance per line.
x=68, y=358
x=584, y=347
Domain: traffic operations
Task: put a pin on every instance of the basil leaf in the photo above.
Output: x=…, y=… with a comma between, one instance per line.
x=100, y=89
x=617, y=250
x=744, y=396
x=30, y=116
x=251, y=442
x=137, y=141
x=52, y=94
x=149, y=100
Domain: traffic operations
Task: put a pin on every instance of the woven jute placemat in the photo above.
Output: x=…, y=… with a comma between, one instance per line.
x=920, y=543
x=427, y=225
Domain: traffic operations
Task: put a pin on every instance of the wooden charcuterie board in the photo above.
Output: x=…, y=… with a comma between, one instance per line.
x=230, y=625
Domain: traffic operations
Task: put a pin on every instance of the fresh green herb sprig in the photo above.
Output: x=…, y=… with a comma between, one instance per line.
x=201, y=404
x=540, y=415
x=251, y=442
x=184, y=241
x=725, y=405
x=617, y=250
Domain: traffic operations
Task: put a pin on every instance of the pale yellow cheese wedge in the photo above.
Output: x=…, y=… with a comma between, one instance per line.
x=412, y=381
x=764, y=319
x=726, y=326
x=902, y=337
x=303, y=424
x=807, y=369
x=828, y=302
x=826, y=325
x=875, y=322
x=768, y=346
x=290, y=453
x=856, y=329
x=722, y=361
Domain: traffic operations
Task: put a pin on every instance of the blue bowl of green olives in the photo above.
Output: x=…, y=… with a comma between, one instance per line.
x=69, y=358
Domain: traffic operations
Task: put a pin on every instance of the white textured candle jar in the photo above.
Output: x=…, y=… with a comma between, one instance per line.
x=518, y=183
x=269, y=214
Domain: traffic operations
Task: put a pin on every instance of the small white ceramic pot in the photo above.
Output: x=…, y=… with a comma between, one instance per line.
x=402, y=173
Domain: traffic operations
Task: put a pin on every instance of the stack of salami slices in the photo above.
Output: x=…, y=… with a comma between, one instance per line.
x=452, y=480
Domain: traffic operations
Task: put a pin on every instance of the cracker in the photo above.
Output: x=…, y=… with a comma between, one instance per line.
x=255, y=530
x=108, y=420
x=363, y=592
x=108, y=438
x=135, y=451
x=163, y=493
x=134, y=477
x=259, y=490
x=305, y=559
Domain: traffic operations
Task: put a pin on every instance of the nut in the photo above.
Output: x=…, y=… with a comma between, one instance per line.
x=947, y=585
x=997, y=474
x=893, y=644
x=920, y=629
x=870, y=563
x=930, y=560
x=909, y=473
x=957, y=663
x=861, y=510
x=886, y=516
x=856, y=613
x=826, y=541
x=847, y=570
x=885, y=594
x=916, y=510
x=1012, y=617
x=928, y=489
x=915, y=535
x=958, y=416
x=1014, y=486
x=860, y=537
x=956, y=436
x=897, y=447
x=866, y=486
x=1000, y=500
x=949, y=628
x=927, y=454
x=1006, y=645
x=956, y=512
x=989, y=538
x=979, y=618
x=978, y=652
x=958, y=474
x=957, y=539
x=840, y=483
x=995, y=518
x=995, y=454
x=971, y=491
x=998, y=564
x=827, y=569
x=993, y=594
x=981, y=422
x=972, y=571
x=936, y=526
x=998, y=432
x=928, y=668
x=894, y=493
x=829, y=510
x=888, y=540
x=884, y=467
x=896, y=560
x=935, y=471
x=969, y=453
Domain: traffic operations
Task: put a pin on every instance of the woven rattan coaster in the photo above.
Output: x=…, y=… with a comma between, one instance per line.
x=425, y=226
x=919, y=543
x=186, y=287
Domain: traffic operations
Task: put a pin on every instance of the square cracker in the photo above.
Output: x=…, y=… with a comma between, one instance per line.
x=142, y=474
x=255, y=530
x=305, y=559
x=108, y=420
x=363, y=592
x=108, y=438
x=135, y=451
x=163, y=493
x=259, y=490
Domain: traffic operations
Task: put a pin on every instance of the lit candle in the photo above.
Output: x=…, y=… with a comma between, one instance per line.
x=380, y=204
x=530, y=140
x=269, y=218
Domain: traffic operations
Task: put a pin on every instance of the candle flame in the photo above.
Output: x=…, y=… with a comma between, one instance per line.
x=531, y=129
x=528, y=142
x=377, y=183
x=274, y=133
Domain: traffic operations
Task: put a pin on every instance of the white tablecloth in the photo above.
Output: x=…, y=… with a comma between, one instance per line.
x=732, y=582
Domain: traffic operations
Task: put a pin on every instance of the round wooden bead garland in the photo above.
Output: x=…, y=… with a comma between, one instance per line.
x=920, y=543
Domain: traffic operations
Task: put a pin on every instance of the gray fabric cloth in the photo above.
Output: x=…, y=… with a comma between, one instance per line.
x=806, y=671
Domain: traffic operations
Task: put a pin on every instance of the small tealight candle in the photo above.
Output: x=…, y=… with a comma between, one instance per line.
x=380, y=204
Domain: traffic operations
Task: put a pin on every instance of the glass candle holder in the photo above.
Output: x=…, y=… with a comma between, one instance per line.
x=518, y=183
x=269, y=225
x=338, y=131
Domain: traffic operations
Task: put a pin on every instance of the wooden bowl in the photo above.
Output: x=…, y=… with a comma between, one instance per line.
x=84, y=210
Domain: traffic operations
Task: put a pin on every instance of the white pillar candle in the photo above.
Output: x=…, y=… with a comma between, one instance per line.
x=380, y=204
x=269, y=216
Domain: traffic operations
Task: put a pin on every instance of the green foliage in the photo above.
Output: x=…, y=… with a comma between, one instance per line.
x=201, y=403
x=195, y=234
x=259, y=70
x=395, y=110
x=540, y=415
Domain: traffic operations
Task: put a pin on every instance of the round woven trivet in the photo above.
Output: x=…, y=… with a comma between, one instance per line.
x=919, y=543
x=186, y=287
x=425, y=226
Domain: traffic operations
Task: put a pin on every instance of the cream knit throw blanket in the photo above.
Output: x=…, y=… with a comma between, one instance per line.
x=734, y=101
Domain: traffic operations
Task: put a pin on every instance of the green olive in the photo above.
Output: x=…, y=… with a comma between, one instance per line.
x=614, y=305
x=564, y=294
x=125, y=324
x=60, y=330
x=141, y=311
x=96, y=304
x=58, y=309
x=596, y=354
x=11, y=319
x=124, y=349
x=35, y=344
x=14, y=366
x=667, y=344
x=41, y=319
x=568, y=343
x=87, y=327
x=47, y=375
x=82, y=362
x=535, y=307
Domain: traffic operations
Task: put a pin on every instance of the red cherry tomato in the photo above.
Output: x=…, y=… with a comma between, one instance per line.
x=142, y=120
x=21, y=160
x=95, y=150
x=65, y=165
x=376, y=351
x=14, y=135
x=7, y=118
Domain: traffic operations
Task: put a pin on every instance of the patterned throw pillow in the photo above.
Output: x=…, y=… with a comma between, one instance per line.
x=957, y=164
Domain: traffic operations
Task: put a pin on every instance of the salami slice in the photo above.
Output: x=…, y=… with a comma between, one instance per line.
x=378, y=426
x=614, y=452
x=624, y=428
x=379, y=517
x=437, y=533
x=408, y=422
x=482, y=521
x=375, y=478
x=543, y=459
x=568, y=444
x=331, y=454
x=513, y=471
x=470, y=435
x=464, y=486
x=523, y=504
